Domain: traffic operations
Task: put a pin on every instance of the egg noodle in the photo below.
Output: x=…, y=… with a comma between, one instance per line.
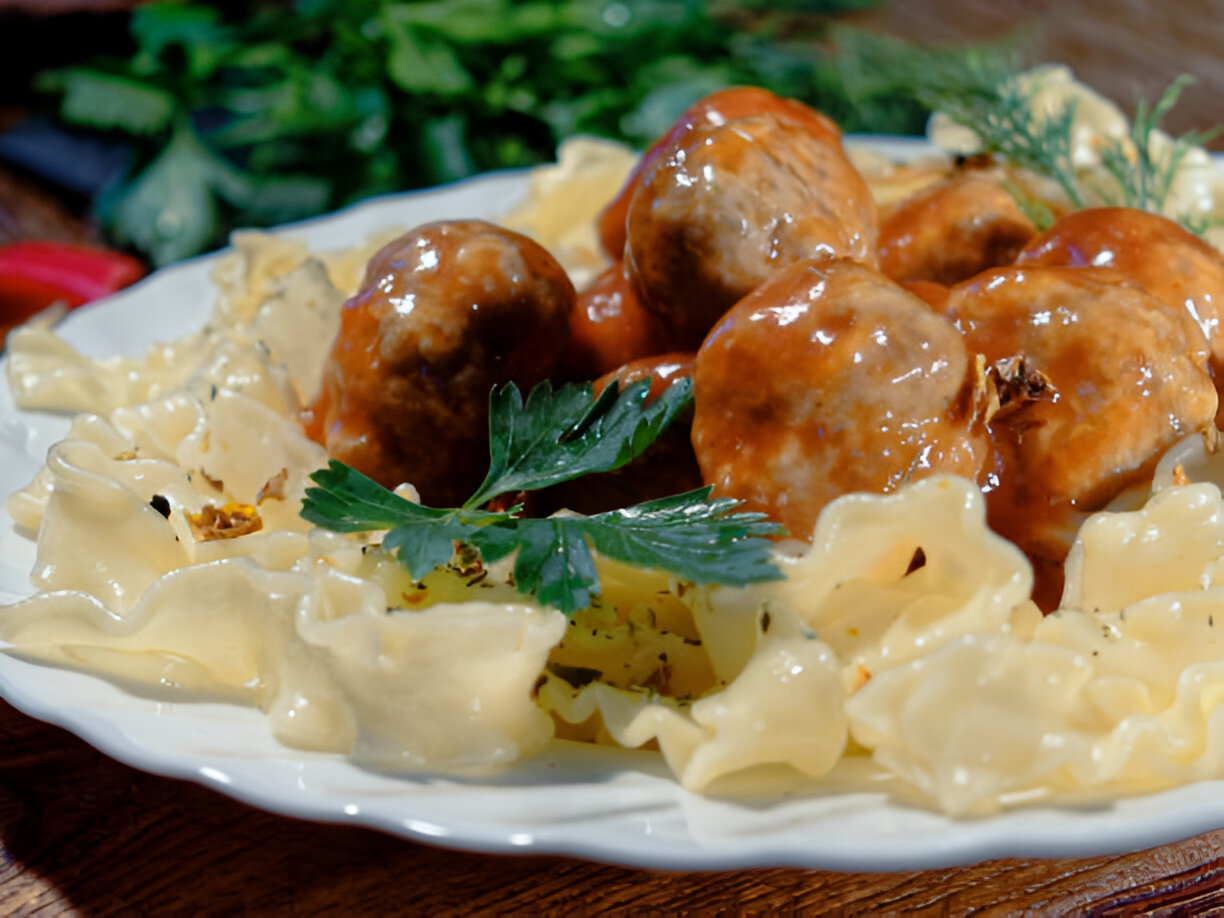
x=171, y=551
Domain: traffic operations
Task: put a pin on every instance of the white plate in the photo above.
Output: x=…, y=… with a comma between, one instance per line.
x=609, y=805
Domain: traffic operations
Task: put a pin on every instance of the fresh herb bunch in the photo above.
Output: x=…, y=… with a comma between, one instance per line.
x=557, y=436
x=261, y=111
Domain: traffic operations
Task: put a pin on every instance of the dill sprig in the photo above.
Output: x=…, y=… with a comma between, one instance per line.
x=1139, y=170
x=1001, y=114
x=1143, y=175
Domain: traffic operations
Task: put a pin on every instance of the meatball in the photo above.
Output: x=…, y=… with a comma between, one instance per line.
x=730, y=204
x=830, y=378
x=716, y=108
x=1114, y=378
x=661, y=369
x=444, y=313
x=609, y=328
x=933, y=294
x=951, y=231
x=1171, y=263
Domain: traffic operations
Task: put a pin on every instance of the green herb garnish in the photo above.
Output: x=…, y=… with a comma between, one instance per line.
x=1144, y=180
x=557, y=436
x=1000, y=111
x=562, y=435
x=255, y=112
x=1002, y=116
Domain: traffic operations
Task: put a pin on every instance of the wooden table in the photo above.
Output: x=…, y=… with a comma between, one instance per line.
x=1124, y=48
x=81, y=833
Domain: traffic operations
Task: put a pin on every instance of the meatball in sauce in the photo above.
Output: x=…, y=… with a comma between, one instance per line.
x=1108, y=377
x=730, y=204
x=609, y=328
x=1171, y=263
x=714, y=109
x=830, y=378
x=951, y=231
x=445, y=313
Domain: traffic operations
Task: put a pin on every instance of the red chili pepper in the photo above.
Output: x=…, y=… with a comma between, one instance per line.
x=34, y=274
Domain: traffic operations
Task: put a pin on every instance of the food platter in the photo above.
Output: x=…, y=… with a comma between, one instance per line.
x=610, y=805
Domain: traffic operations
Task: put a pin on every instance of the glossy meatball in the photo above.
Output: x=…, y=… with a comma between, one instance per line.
x=609, y=328
x=830, y=378
x=933, y=294
x=1171, y=263
x=444, y=313
x=952, y=230
x=661, y=369
x=729, y=205
x=717, y=108
x=1114, y=378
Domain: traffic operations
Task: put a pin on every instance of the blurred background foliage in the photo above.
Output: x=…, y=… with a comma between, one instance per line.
x=258, y=112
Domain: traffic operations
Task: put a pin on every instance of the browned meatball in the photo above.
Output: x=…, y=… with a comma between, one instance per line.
x=729, y=204
x=951, y=231
x=444, y=313
x=1115, y=379
x=830, y=378
x=661, y=369
x=716, y=108
x=1171, y=263
x=609, y=327
x=933, y=294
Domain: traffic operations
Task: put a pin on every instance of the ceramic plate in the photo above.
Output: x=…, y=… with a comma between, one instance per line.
x=610, y=805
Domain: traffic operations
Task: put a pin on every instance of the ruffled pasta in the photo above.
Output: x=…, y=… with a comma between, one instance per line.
x=278, y=617
x=171, y=551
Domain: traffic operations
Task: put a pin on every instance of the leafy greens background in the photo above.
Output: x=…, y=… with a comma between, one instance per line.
x=263, y=111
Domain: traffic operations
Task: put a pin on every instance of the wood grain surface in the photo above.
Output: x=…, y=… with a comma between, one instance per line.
x=82, y=834
x=1127, y=49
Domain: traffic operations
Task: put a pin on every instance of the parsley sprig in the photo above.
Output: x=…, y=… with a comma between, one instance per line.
x=560, y=435
x=556, y=436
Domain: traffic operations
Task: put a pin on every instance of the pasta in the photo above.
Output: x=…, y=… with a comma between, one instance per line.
x=902, y=640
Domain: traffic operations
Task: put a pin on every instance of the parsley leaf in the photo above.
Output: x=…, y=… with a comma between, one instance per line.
x=425, y=544
x=344, y=500
x=689, y=534
x=171, y=209
x=554, y=561
x=110, y=101
x=561, y=435
x=419, y=63
x=553, y=437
